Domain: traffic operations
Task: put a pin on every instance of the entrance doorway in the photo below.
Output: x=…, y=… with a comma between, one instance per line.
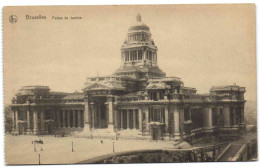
x=100, y=113
x=21, y=128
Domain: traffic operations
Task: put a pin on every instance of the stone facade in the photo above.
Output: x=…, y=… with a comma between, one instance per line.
x=137, y=96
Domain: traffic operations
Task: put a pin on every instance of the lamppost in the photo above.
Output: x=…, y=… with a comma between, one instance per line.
x=113, y=146
x=39, y=158
x=34, y=146
x=72, y=147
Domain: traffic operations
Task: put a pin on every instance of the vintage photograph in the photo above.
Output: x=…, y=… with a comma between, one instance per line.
x=129, y=84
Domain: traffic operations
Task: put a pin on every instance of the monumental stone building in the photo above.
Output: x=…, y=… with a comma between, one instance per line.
x=137, y=97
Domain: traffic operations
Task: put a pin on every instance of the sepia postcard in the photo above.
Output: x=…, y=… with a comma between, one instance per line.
x=129, y=84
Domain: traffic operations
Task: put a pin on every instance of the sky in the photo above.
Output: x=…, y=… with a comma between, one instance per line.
x=205, y=45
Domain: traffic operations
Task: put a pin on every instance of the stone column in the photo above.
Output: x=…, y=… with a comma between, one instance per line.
x=42, y=120
x=99, y=117
x=58, y=118
x=234, y=116
x=122, y=119
x=242, y=115
x=158, y=95
x=166, y=113
x=28, y=123
x=63, y=119
x=140, y=120
x=147, y=119
x=134, y=119
x=14, y=121
x=226, y=112
x=116, y=116
x=181, y=120
x=79, y=119
x=210, y=117
x=68, y=118
x=74, y=119
x=110, y=112
x=93, y=115
x=87, y=114
x=190, y=112
x=176, y=117
x=35, y=122
x=206, y=117
x=128, y=119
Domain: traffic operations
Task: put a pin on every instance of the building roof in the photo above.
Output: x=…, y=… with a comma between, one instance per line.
x=157, y=85
x=139, y=25
x=74, y=96
x=228, y=88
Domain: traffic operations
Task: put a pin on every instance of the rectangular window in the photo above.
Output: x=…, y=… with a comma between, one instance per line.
x=143, y=37
x=140, y=54
x=186, y=114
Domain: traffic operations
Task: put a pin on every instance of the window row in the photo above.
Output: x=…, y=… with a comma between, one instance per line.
x=133, y=55
x=138, y=37
x=138, y=55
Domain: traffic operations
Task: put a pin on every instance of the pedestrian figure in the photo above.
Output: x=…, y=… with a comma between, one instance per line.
x=32, y=142
x=101, y=141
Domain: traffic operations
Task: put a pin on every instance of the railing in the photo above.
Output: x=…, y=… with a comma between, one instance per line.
x=170, y=96
x=246, y=152
x=200, y=154
x=112, y=137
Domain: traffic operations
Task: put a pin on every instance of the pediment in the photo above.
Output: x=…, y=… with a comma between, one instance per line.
x=96, y=86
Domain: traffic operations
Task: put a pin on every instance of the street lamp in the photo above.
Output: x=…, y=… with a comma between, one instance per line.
x=39, y=158
x=72, y=147
x=113, y=147
x=34, y=146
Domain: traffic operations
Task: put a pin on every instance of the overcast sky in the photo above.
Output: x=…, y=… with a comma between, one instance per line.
x=204, y=45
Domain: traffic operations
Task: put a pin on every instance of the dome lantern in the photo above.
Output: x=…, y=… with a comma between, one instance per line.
x=138, y=18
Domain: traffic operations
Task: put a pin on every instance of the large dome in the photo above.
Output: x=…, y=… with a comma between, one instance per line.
x=139, y=25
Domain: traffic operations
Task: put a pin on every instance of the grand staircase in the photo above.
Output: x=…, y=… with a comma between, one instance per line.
x=230, y=153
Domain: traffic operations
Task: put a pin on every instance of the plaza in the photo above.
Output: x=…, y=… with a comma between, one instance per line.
x=20, y=149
